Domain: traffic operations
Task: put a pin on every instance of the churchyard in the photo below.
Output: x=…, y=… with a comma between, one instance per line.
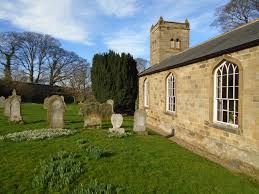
x=78, y=159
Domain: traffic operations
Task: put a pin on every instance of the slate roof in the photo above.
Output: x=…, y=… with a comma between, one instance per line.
x=238, y=39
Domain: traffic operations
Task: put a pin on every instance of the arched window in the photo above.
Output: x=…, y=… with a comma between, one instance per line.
x=172, y=43
x=170, y=93
x=146, y=93
x=226, y=89
x=177, y=44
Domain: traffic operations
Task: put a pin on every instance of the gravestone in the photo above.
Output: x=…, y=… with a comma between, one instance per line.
x=13, y=106
x=117, y=120
x=15, y=109
x=105, y=110
x=2, y=101
x=92, y=117
x=7, y=107
x=140, y=122
x=94, y=113
x=111, y=102
x=93, y=121
x=56, y=109
x=45, y=104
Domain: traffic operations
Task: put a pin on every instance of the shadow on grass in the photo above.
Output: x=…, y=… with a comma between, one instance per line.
x=151, y=132
x=73, y=121
x=108, y=154
x=109, y=125
x=35, y=122
x=106, y=125
x=127, y=126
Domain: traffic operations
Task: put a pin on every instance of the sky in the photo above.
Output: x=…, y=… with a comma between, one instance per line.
x=95, y=26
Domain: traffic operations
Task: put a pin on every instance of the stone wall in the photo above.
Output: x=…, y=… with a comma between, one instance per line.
x=33, y=92
x=193, y=120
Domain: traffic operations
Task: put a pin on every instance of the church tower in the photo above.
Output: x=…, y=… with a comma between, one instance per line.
x=168, y=38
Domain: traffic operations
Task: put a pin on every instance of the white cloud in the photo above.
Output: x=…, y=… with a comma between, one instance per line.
x=129, y=41
x=118, y=8
x=125, y=30
x=53, y=17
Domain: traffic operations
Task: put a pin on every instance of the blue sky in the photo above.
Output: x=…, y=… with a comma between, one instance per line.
x=93, y=26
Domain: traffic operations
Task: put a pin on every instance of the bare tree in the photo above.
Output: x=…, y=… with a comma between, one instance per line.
x=142, y=64
x=33, y=54
x=19, y=75
x=61, y=64
x=9, y=45
x=79, y=81
x=39, y=58
x=236, y=13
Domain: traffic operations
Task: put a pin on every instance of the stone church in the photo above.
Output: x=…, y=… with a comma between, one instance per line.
x=206, y=95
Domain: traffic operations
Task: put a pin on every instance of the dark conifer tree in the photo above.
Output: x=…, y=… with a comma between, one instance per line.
x=114, y=76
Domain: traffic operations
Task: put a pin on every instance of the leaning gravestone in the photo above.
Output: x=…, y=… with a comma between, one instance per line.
x=7, y=107
x=111, y=102
x=140, y=122
x=117, y=121
x=2, y=101
x=56, y=109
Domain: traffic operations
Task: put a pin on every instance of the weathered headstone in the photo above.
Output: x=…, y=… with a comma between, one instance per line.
x=105, y=110
x=117, y=121
x=7, y=107
x=12, y=107
x=92, y=117
x=93, y=121
x=15, y=108
x=56, y=109
x=111, y=102
x=94, y=112
x=140, y=122
x=45, y=104
x=2, y=101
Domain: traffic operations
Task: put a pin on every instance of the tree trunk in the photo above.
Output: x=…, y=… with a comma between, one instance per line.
x=31, y=76
x=51, y=77
x=7, y=69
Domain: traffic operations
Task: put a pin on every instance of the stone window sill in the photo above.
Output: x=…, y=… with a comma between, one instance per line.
x=173, y=114
x=225, y=127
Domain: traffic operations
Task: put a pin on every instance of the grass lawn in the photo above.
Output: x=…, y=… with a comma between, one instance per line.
x=137, y=164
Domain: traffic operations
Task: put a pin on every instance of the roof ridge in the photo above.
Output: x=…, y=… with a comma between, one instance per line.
x=220, y=35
